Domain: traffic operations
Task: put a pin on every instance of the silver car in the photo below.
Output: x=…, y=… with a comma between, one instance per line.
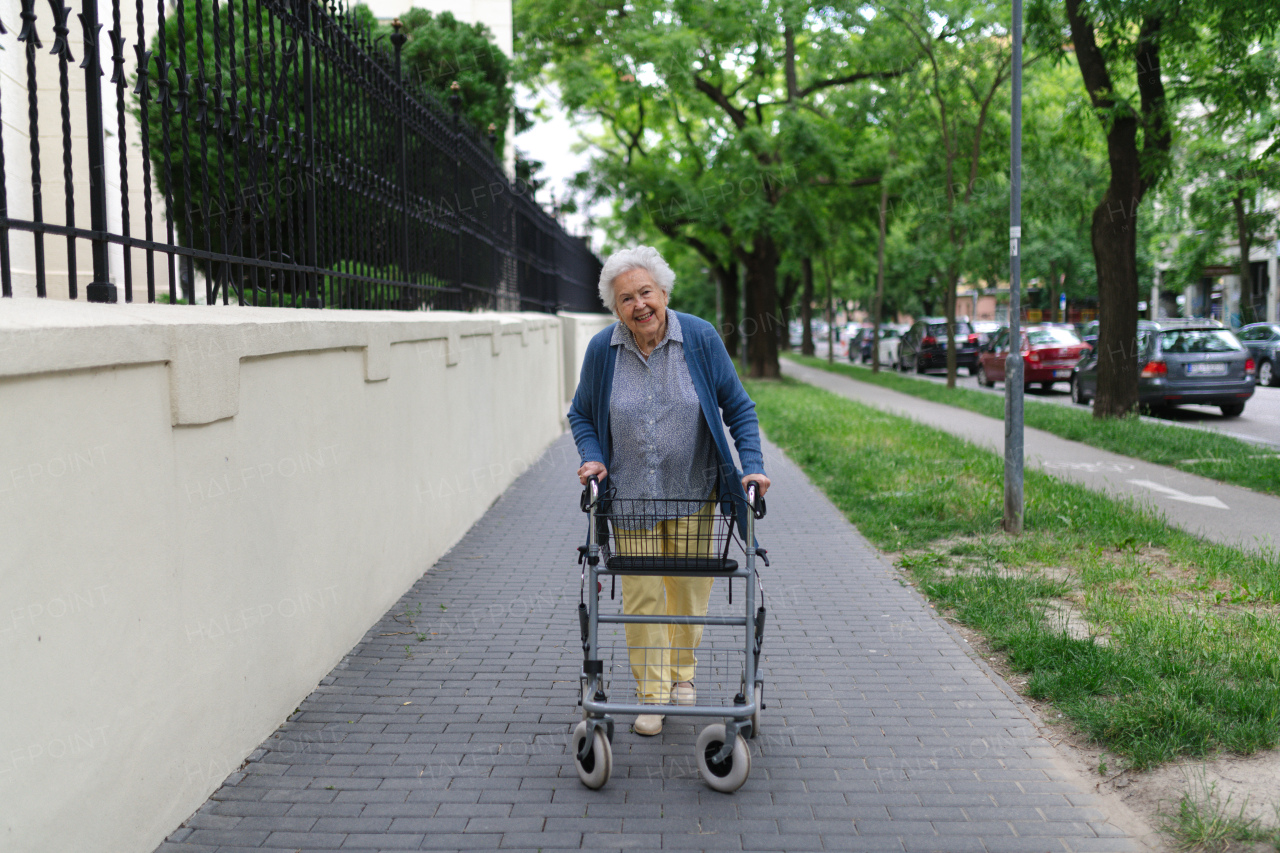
x=1181, y=362
x=1263, y=341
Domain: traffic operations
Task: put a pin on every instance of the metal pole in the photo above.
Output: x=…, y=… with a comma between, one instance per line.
x=831, y=318
x=312, y=298
x=1013, y=388
x=100, y=289
x=455, y=103
x=397, y=40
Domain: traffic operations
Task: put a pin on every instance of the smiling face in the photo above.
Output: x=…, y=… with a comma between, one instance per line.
x=641, y=305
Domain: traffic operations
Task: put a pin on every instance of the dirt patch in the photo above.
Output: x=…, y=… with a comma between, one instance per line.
x=1066, y=616
x=1140, y=803
x=1137, y=802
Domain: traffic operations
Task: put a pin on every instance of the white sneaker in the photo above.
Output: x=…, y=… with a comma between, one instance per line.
x=647, y=725
x=684, y=693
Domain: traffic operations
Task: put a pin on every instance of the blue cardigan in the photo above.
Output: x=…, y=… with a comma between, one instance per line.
x=718, y=389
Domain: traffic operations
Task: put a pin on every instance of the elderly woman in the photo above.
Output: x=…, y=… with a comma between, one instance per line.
x=647, y=416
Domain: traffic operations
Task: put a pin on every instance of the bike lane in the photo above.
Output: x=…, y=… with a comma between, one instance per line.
x=1216, y=511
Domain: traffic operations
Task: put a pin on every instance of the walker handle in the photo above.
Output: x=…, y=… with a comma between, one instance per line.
x=590, y=494
x=755, y=501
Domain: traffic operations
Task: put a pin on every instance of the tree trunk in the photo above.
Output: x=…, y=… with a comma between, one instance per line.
x=831, y=307
x=785, y=313
x=806, y=308
x=1114, y=234
x=953, y=278
x=1114, y=228
x=761, y=323
x=1246, y=277
x=878, y=305
x=1053, y=292
x=730, y=296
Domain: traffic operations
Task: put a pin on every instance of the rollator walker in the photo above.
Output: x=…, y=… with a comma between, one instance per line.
x=626, y=536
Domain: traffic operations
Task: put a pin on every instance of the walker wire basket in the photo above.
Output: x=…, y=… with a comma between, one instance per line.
x=666, y=536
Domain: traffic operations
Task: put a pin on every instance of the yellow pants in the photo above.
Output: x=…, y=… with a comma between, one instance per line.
x=664, y=654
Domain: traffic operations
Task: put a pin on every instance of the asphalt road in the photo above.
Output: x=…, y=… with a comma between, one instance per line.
x=1217, y=511
x=1260, y=422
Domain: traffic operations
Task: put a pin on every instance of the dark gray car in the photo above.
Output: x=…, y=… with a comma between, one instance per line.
x=1263, y=341
x=924, y=346
x=1181, y=362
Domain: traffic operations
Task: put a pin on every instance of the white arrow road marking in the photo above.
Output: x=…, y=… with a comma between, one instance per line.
x=1202, y=500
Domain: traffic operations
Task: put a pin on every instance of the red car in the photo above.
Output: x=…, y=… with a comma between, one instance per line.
x=1048, y=354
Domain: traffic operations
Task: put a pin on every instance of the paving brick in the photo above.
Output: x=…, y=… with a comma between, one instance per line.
x=911, y=747
x=213, y=821
x=542, y=840
x=309, y=840
x=275, y=822
x=244, y=838
x=794, y=841
x=1101, y=845
x=952, y=844
x=383, y=841
x=1025, y=845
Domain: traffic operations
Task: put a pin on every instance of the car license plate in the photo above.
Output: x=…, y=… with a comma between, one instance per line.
x=1203, y=368
x=1062, y=374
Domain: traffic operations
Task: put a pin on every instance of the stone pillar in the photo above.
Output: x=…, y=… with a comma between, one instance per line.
x=1231, y=286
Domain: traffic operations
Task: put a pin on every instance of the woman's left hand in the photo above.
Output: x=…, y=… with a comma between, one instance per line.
x=761, y=481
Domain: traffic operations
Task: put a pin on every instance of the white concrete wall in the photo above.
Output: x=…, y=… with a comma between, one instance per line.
x=203, y=509
x=578, y=331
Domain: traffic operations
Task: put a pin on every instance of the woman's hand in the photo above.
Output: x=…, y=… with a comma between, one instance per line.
x=592, y=469
x=761, y=481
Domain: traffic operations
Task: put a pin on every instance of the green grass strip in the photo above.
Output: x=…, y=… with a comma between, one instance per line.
x=1181, y=652
x=1202, y=452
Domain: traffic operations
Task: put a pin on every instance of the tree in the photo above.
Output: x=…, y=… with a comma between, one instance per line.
x=967, y=58
x=1227, y=163
x=1228, y=194
x=442, y=50
x=1124, y=49
x=1064, y=166
x=720, y=118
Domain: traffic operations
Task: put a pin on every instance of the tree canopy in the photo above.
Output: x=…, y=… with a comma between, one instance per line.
x=755, y=139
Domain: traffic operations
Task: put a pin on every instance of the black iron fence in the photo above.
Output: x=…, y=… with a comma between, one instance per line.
x=263, y=152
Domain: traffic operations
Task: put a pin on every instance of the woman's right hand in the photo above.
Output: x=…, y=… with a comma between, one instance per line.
x=591, y=469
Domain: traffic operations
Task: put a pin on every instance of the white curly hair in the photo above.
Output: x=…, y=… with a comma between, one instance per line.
x=625, y=260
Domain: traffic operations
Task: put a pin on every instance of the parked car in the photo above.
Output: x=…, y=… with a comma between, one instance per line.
x=890, y=335
x=1088, y=333
x=850, y=329
x=1182, y=362
x=795, y=333
x=818, y=328
x=924, y=346
x=860, y=335
x=1048, y=355
x=986, y=330
x=1263, y=343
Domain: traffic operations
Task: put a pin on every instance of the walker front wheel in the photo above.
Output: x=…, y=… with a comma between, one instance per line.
x=726, y=776
x=594, y=771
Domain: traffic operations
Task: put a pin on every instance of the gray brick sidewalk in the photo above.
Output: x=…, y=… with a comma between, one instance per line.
x=881, y=732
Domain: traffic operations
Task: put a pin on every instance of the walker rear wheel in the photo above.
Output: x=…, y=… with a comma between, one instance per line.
x=595, y=770
x=726, y=776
